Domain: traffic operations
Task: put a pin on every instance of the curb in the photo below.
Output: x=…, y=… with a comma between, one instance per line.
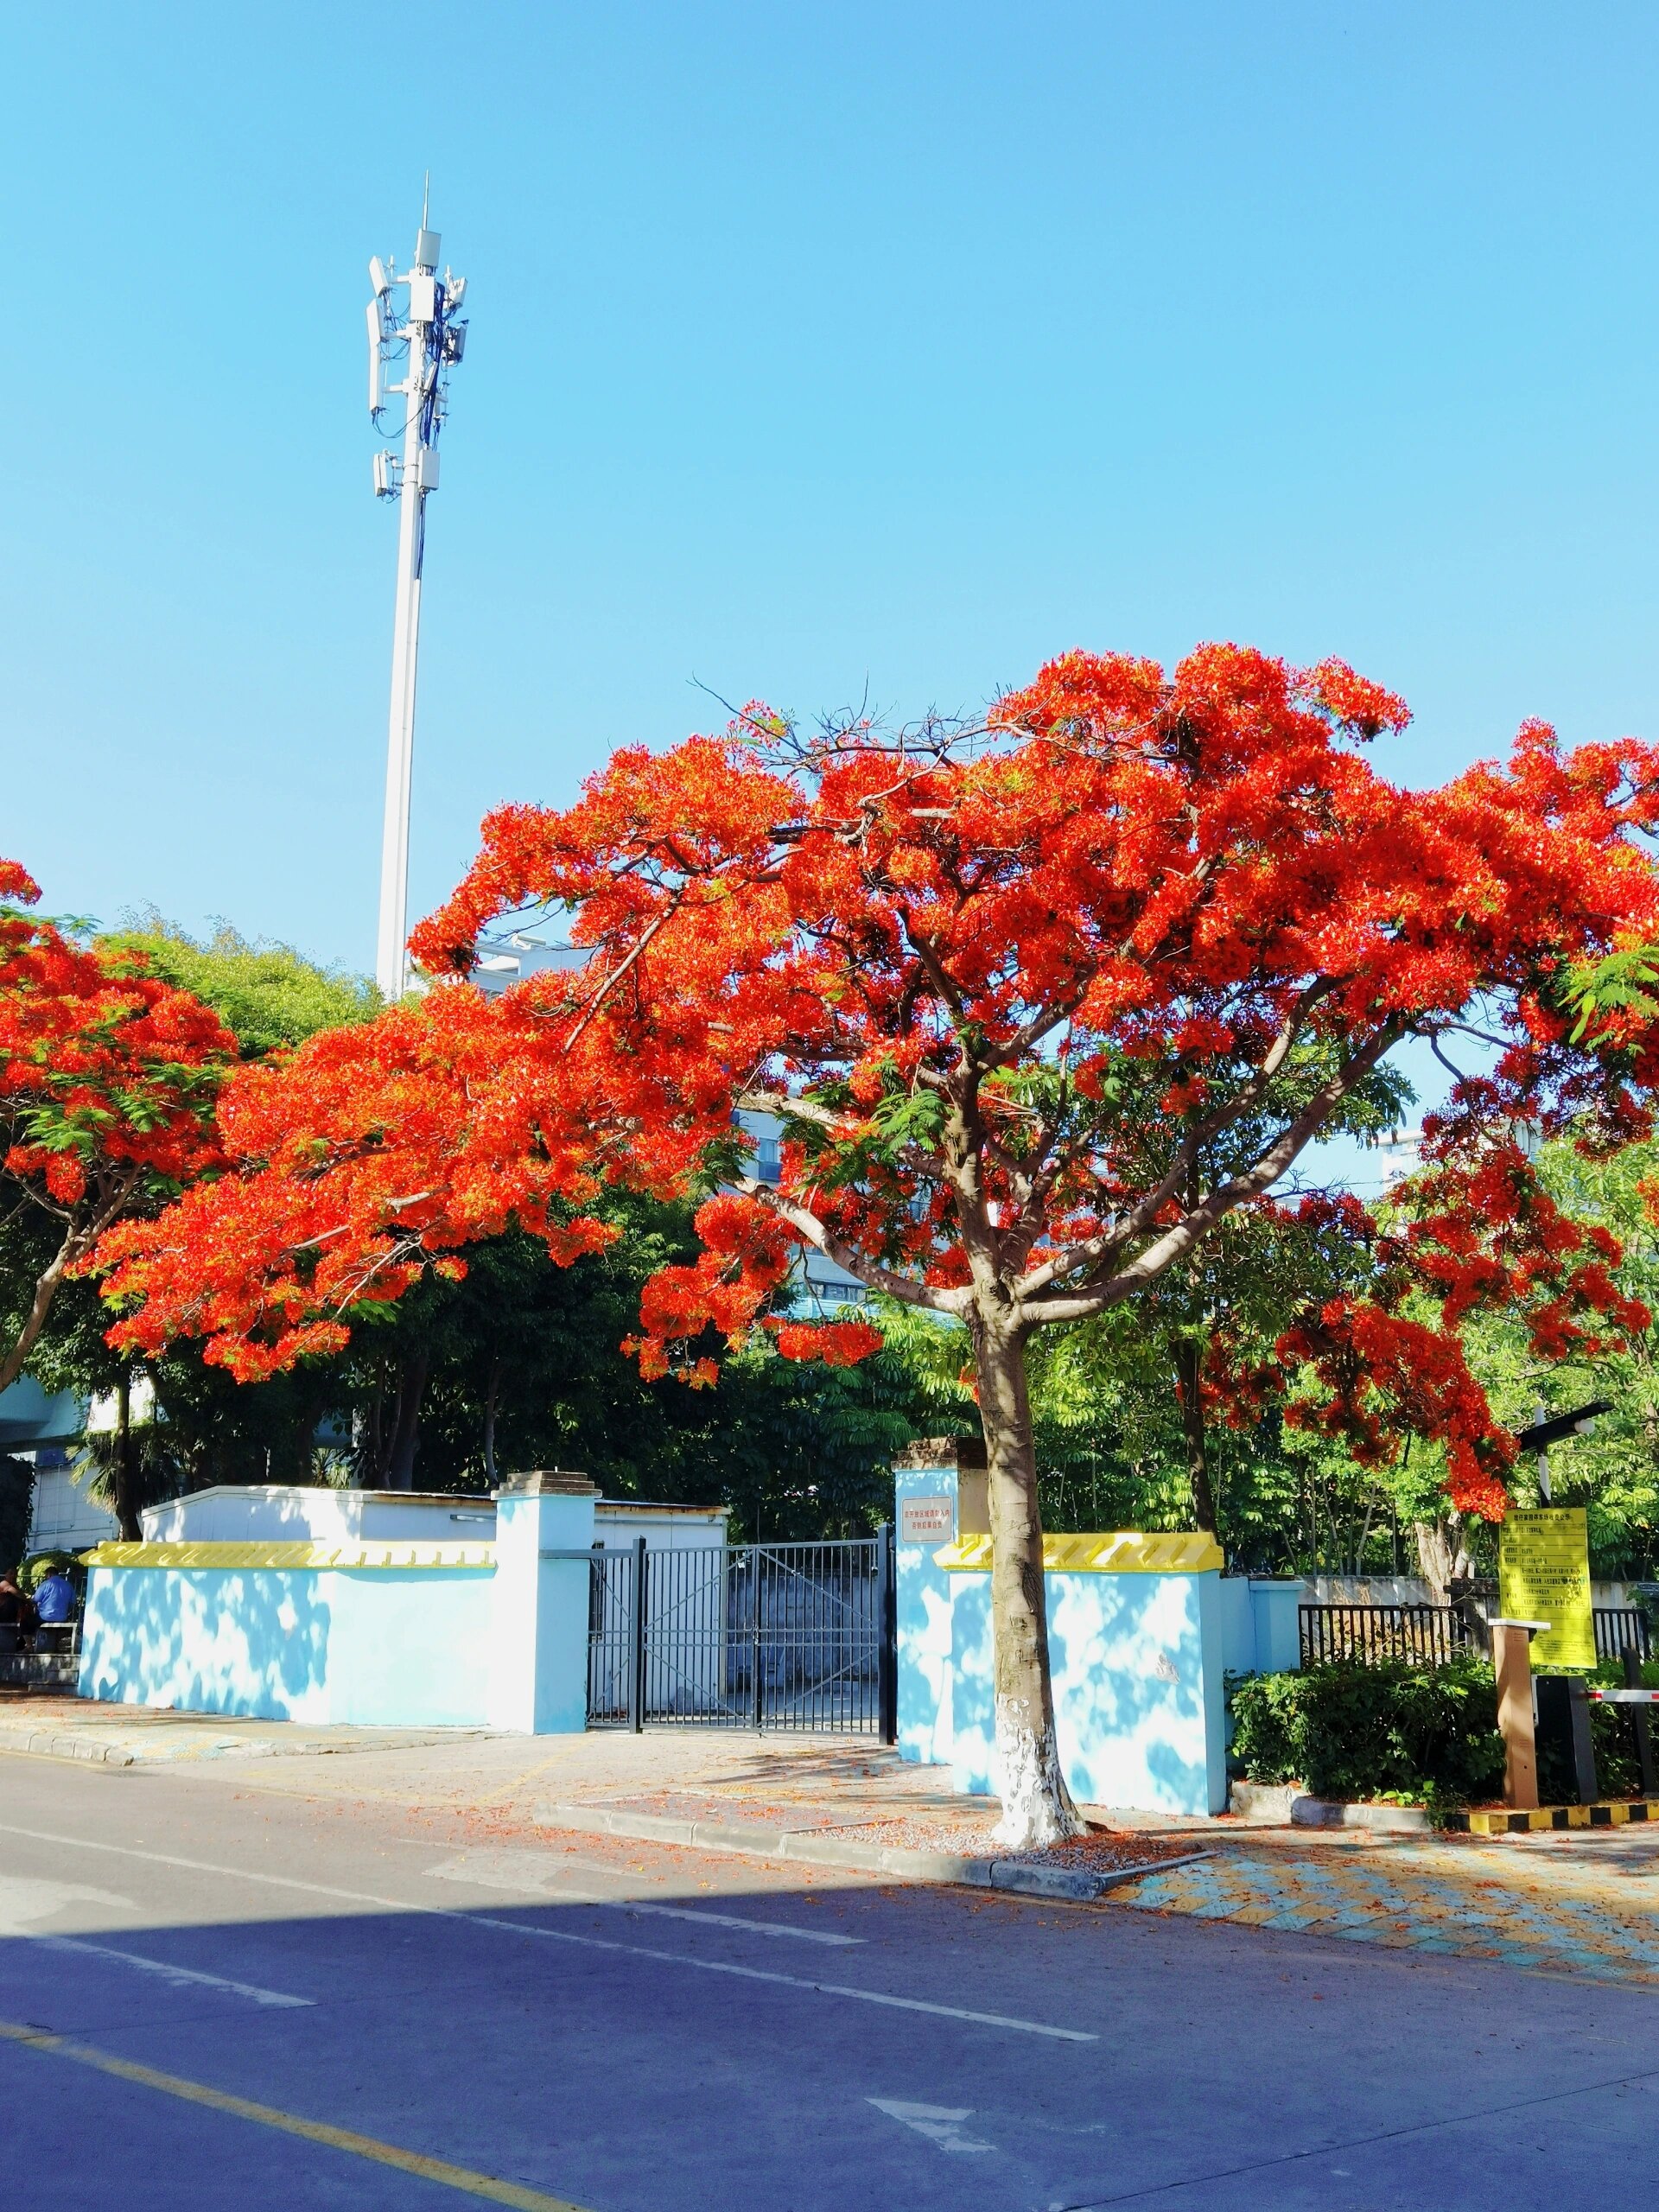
x=55, y=1743
x=85, y=1748
x=1608, y=1813
x=1379, y=1819
x=807, y=1847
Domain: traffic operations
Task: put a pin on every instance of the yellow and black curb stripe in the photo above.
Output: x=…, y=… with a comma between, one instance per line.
x=1611, y=1814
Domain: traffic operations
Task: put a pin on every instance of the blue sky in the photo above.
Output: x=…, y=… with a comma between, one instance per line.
x=897, y=345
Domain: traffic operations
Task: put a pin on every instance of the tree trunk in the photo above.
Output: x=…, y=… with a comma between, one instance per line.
x=1443, y=1554
x=46, y=1289
x=406, y=1423
x=490, y=1397
x=1037, y=1808
x=126, y=1511
x=1188, y=1357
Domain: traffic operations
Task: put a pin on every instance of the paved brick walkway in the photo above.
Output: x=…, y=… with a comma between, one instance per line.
x=1583, y=1908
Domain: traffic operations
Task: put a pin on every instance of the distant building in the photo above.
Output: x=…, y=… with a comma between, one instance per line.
x=504, y=961
x=45, y=1431
x=65, y=1518
x=1402, y=1155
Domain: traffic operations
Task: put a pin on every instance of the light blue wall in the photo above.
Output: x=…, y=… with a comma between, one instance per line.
x=924, y=1622
x=1260, y=1628
x=539, y=1682
x=411, y=1646
x=1237, y=1625
x=384, y=1647
x=1139, y=1702
x=1277, y=1609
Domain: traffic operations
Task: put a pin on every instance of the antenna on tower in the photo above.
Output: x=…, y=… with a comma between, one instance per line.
x=433, y=337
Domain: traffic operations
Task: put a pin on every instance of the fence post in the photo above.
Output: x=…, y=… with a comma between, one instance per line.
x=1643, y=1724
x=637, y=1681
x=757, y=1683
x=886, y=1672
x=1584, y=1750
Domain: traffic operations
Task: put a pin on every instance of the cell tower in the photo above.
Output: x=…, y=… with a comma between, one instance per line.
x=430, y=338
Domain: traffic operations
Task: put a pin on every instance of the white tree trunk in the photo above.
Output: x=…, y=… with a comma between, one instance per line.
x=1037, y=1808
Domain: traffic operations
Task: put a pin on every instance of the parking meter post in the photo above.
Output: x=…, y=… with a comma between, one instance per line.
x=1512, y=1660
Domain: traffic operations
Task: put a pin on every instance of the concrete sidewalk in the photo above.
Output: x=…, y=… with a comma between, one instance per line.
x=136, y=1735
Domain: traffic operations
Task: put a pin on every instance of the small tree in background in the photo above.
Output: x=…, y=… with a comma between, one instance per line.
x=1040, y=1006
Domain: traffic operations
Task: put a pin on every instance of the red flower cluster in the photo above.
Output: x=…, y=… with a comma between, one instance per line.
x=107, y=1081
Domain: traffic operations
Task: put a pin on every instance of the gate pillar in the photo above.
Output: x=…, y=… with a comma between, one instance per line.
x=938, y=1494
x=538, y=1672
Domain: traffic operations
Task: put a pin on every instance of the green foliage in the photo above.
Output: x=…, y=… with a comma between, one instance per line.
x=269, y=996
x=1622, y=982
x=36, y=1568
x=1352, y=1731
x=1614, y=1471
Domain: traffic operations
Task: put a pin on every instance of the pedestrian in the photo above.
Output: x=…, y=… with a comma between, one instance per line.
x=17, y=1615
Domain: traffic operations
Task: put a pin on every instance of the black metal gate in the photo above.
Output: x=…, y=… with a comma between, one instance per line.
x=745, y=1635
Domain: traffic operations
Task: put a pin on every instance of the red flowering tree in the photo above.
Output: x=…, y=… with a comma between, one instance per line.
x=107, y=1081
x=1039, y=1006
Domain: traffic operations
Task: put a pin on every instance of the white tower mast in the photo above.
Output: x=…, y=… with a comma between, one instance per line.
x=433, y=339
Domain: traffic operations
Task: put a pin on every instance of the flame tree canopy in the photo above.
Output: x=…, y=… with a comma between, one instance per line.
x=1039, y=1005
x=108, y=1075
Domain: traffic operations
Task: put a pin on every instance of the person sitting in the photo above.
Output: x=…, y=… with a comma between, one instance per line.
x=55, y=1598
x=17, y=1615
x=55, y=1606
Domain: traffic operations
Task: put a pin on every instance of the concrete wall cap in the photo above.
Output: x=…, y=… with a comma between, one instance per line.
x=546, y=1482
x=1124, y=1551
x=942, y=1451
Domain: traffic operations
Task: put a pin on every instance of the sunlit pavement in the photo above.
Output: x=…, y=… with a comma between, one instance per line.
x=446, y=2007
x=1585, y=1904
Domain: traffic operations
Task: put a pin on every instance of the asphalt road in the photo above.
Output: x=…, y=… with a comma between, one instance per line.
x=216, y=1997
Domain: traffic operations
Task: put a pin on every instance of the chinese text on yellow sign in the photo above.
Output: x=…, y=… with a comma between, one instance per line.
x=1543, y=1574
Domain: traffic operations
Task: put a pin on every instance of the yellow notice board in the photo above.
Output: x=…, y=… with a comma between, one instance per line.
x=1543, y=1574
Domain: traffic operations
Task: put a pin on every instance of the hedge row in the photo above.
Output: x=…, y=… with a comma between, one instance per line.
x=1360, y=1731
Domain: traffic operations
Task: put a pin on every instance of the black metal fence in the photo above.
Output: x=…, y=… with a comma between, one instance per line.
x=1620, y=1629
x=752, y=1636
x=1435, y=1635
x=1429, y=1635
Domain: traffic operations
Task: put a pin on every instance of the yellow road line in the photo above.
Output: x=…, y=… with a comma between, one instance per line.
x=314, y=2131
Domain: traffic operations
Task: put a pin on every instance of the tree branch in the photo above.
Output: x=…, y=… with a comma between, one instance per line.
x=1186, y=1234
x=870, y=1273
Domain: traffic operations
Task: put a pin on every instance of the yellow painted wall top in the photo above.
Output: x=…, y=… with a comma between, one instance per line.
x=303, y=1556
x=1127, y=1551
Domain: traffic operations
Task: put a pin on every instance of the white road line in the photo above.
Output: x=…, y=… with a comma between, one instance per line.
x=499, y=1876
x=560, y=1936
x=789, y=1981
x=179, y=1976
x=711, y=1919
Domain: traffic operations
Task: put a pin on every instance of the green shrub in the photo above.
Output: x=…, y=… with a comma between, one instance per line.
x=1359, y=1732
x=36, y=1568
